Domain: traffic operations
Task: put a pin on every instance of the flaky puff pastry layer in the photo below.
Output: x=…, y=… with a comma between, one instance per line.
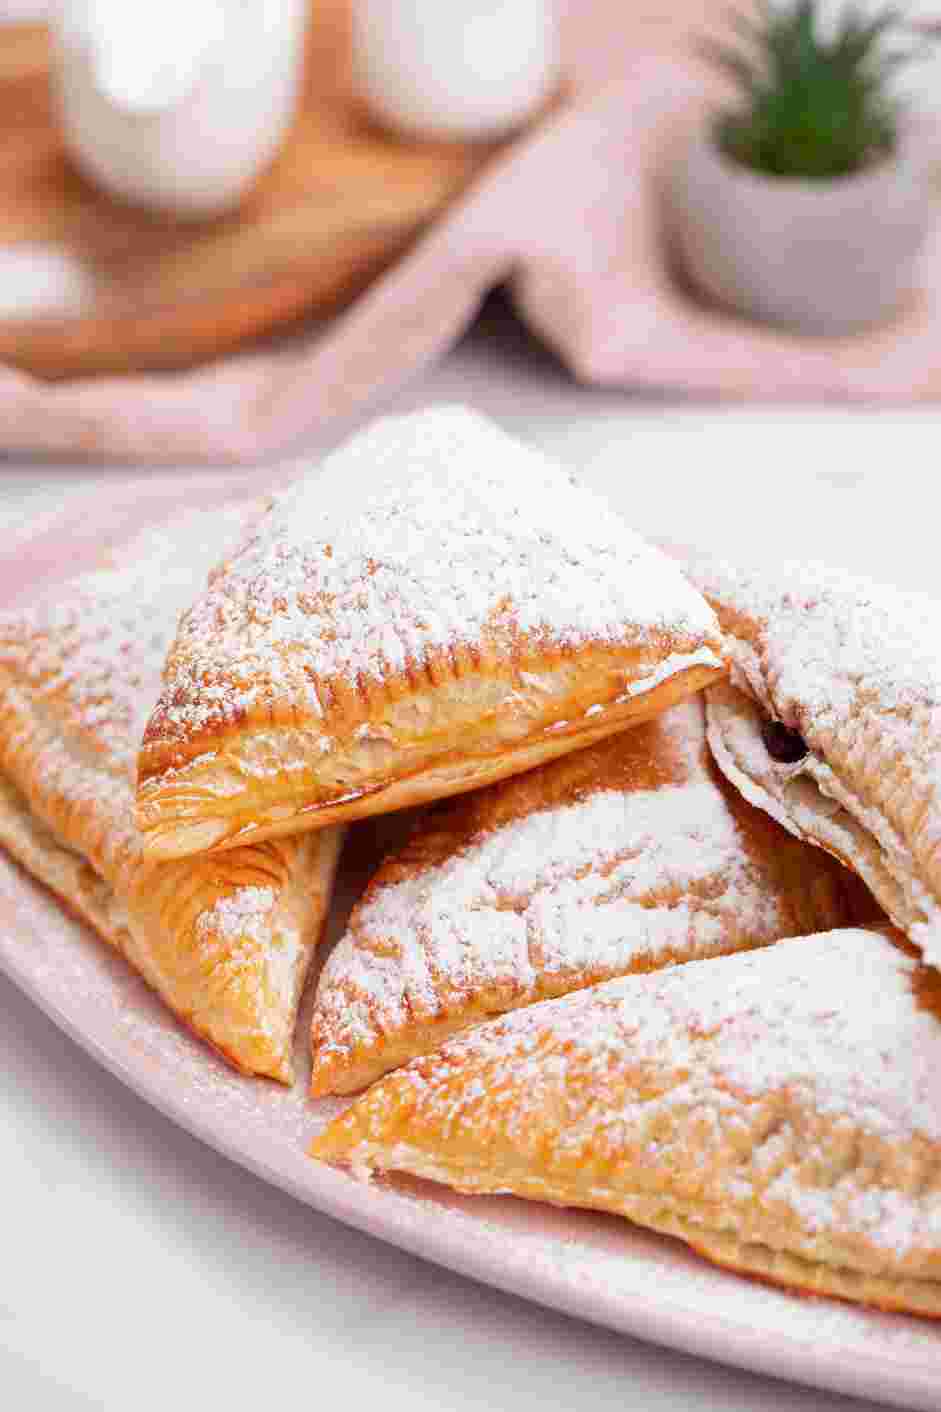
x=628, y=856
x=435, y=608
x=779, y=1110
x=854, y=668
x=226, y=942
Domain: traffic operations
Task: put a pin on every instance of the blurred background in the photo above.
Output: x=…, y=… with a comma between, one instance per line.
x=228, y=229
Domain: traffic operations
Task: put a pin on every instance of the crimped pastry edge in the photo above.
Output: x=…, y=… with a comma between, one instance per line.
x=823, y=895
x=72, y=880
x=89, y=897
x=720, y=1247
x=836, y=827
x=332, y=1074
x=179, y=816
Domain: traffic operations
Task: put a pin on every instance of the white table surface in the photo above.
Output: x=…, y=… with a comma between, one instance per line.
x=140, y=1270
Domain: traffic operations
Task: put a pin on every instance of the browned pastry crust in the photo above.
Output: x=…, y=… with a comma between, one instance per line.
x=629, y=856
x=778, y=1110
x=435, y=609
x=226, y=943
x=852, y=670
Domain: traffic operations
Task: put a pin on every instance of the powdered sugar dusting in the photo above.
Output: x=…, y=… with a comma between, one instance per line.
x=423, y=534
x=824, y=1029
x=245, y=921
x=87, y=657
x=669, y=667
x=591, y=1264
x=239, y=914
x=834, y=640
x=95, y=649
x=855, y=667
x=80, y=669
x=570, y=892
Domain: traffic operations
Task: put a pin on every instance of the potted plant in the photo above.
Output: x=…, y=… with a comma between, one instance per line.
x=805, y=203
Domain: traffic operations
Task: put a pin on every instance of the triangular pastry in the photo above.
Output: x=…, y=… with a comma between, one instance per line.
x=780, y=1111
x=435, y=608
x=628, y=856
x=835, y=725
x=226, y=942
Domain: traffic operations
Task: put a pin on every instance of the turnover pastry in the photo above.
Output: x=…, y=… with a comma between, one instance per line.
x=833, y=723
x=628, y=856
x=780, y=1111
x=436, y=608
x=226, y=942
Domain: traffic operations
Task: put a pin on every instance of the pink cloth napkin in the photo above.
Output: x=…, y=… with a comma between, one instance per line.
x=569, y=218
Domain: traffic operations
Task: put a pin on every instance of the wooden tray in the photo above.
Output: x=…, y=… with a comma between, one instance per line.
x=340, y=203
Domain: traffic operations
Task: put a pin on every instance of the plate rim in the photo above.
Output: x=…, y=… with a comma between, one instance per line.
x=888, y=1375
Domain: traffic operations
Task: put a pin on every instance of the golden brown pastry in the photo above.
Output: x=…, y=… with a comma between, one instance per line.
x=628, y=856
x=436, y=608
x=780, y=1111
x=833, y=723
x=226, y=942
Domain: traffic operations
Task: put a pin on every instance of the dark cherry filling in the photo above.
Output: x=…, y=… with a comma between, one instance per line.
x=782, y=744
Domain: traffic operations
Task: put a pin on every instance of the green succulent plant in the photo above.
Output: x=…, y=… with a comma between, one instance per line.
x=813, y=106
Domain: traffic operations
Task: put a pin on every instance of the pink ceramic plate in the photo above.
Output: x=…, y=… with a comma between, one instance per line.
x=596, y=1267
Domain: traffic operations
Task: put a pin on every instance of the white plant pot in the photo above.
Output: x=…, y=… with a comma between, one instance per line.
x=822, y=257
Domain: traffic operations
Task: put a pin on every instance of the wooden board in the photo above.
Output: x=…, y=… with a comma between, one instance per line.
x=341, y=201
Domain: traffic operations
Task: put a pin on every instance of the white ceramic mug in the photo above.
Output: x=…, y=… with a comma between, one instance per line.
x=177, y=105
x=455, y=68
